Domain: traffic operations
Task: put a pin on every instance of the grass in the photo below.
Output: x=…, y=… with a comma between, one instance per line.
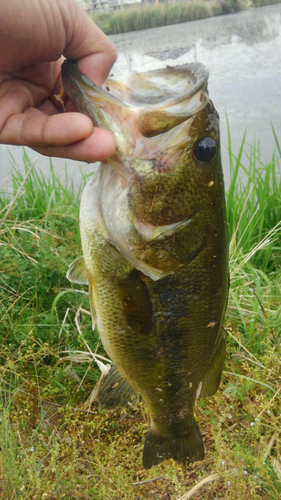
x=163, y=14
x=53, y=449
x=144, y=17
x=261, y=3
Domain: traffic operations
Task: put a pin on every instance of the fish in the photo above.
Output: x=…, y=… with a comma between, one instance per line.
x=155, y=247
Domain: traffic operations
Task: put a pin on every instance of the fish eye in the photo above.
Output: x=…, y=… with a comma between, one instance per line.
x=205, y=150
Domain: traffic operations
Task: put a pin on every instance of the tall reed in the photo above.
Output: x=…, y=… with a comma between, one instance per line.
x=52, y=448
x=134, y=19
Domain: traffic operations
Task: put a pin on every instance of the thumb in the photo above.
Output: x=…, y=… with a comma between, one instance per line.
x=86, y=43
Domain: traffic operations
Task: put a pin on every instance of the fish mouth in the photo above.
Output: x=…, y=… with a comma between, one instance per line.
x=170, y=85
x=143, y=106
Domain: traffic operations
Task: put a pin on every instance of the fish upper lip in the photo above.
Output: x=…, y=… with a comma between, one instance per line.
x=70, y=70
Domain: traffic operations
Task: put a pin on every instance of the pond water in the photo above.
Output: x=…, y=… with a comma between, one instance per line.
x=243, y=54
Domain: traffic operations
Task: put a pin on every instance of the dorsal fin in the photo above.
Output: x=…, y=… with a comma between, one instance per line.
x=77, y=272
x=212, y=377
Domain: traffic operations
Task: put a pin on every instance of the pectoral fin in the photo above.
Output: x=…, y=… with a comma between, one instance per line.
x=77, y=272
x=137, y=307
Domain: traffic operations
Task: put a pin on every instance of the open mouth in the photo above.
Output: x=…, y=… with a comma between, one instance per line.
x=160, y=99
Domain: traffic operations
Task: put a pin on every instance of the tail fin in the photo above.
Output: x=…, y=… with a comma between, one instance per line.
x=183, y=448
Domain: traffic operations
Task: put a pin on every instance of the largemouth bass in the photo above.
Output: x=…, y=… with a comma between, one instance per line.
x=155, y=249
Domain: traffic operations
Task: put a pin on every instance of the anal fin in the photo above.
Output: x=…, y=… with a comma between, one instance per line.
x=212, y=377
x=115, y=391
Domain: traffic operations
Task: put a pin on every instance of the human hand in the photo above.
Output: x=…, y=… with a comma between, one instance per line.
x=34, y=37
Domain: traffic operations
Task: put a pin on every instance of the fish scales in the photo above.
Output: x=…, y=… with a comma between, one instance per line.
x=155, y=250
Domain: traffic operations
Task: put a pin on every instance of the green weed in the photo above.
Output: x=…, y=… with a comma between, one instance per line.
x=144, y=17
x=51, y=446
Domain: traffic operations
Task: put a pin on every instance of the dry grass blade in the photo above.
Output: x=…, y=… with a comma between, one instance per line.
x=270, y=445
x=82, y=356
x=139, y=483
x=277, y=467
x=96, y=390
x=269, y=402
x=199, y=485
x=263, y=243
x=103, y=368
x=18, y=193
x=89, y=356
x=243, y=347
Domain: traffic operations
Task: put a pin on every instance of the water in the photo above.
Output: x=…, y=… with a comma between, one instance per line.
x=243, y=54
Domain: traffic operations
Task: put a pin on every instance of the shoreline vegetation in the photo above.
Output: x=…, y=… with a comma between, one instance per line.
x=52, y=448
x=152, y=16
